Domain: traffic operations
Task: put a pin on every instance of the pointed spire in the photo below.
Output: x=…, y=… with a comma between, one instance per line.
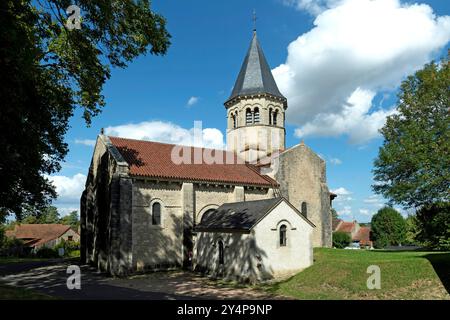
x=255, y=76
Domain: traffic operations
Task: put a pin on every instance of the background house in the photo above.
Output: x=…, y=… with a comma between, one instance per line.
x=360, y=234
x=36, y=236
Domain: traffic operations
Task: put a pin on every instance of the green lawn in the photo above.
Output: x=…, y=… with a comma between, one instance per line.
x=13, y=293
x=13, y=260
x=341, y=274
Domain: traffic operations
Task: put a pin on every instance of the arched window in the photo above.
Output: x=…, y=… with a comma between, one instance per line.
x=283, y=235
x=220, y=245
x=233, y=118
x=248, y=116
x=256, y=115
x=274, y=120
x=305, y=209
x=270, y=116
x=156, y=213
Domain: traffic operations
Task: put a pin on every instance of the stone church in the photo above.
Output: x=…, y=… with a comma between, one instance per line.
x=253, y=211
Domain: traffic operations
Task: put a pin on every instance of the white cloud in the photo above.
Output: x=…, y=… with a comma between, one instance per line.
x=341, y=191
x=314, y=7
x=365, y=212
x=357, y=49
x=335, y=161
x=169, y=133
x=343, y=195
x=69, y=189
x=374, y=200
x=64, y=211
x=345, y=212
x=192, y=101
x=86, y=142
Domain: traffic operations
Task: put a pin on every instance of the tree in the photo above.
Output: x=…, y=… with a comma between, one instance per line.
x=388, y=228
x=49, y=215
x=2, y=236
x=71, y=220
x=434, y=226
x=341, y=239
x=334, y=214
x=412, y=229
x=48, y=71
x=413, y=165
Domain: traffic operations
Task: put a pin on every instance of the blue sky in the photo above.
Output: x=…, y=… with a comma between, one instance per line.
x=339, y=63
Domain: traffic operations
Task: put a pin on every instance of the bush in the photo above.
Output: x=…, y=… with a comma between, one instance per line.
x=69, y=247
x=433, y=222
x=388, y=228
x=2, y=236
x=13, y=247
x=341, y=239
x=47, y=253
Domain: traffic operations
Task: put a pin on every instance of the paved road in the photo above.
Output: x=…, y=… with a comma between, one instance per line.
x=179, y=285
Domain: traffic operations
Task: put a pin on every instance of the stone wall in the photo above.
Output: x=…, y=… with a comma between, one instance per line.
x=257, y=140
x=183, y=205
x=302, y=178
x=105, y=211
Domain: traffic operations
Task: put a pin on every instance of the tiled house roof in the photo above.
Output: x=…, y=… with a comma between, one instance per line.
x=346, y=227
x=363, y=236
x=153, y=159
x=37, y=234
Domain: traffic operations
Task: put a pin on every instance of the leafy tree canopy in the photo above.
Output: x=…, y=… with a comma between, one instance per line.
x=413, y=165
x=49, y=215
x=48, y=71
x=433, y=222
x=388, y=228
x=71, y=220
x=334, y=214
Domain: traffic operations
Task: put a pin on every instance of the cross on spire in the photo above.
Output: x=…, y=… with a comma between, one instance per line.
x=254, y=20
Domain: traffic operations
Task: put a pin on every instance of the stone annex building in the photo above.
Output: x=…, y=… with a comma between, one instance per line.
x=253, y=213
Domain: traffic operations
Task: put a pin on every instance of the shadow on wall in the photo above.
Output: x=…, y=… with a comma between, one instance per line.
x=441, y=264
x=243, y=259
x=157, y=247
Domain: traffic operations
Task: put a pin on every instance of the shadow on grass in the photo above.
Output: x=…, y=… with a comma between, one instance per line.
x=441, y=265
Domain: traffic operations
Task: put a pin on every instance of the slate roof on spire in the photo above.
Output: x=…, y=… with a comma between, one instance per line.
x=255, y=76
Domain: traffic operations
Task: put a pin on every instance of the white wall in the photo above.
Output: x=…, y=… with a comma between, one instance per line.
x=297, y=254
x=257, y=255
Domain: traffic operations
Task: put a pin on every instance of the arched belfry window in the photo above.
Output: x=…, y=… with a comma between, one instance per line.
x=270, y=116
x=248, y=116
x=221, y=253
x=305, y=209
x=156, y=213
x=256, y=115
x=283, y=239
x=233, y=119
x=275, y=116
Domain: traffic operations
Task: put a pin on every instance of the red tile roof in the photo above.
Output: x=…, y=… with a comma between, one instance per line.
x=346, y=227
x=336, y=223
x=153, y=159
x=37, y=234
x=363, y=235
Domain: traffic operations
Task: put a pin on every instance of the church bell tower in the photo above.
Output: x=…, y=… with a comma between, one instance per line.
x=255, y=110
